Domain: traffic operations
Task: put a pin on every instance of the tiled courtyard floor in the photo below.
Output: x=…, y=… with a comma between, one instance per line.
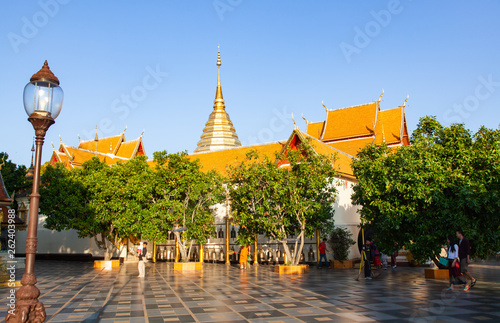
x=76, y=292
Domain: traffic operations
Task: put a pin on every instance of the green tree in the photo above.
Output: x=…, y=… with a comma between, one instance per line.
x=14, y=176
x=183, y=199
x=101, y=202
x=417, y=195
x=291, y=199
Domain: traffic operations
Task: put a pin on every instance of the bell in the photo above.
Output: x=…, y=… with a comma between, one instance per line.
x=221, y=234
x=310, y=255
x=221, y=256
x=195, y=254
x=302, y=257
x=262, y=256
x=233, y=255
x=233, y=233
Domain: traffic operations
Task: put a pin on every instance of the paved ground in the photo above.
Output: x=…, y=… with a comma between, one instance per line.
x=76, y=292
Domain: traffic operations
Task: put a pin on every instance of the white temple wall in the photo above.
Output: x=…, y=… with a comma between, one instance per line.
x=53, y=242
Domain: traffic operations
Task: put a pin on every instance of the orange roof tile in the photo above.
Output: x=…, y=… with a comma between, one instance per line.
x=351, y=146
x=106, y=145
x=315, y=129
x=389, y=126
x=351, y=122
x=342, y=161
x=220, y=159
x=129, y=149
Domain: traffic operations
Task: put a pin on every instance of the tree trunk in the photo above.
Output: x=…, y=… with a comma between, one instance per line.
x=182, y=247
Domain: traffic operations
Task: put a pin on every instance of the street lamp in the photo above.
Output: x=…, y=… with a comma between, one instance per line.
x=43, y=100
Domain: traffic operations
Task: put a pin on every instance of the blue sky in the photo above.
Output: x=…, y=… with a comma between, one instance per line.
x=151, y=65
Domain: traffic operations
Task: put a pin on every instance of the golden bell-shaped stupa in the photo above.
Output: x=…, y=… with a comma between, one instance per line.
x=219, y=132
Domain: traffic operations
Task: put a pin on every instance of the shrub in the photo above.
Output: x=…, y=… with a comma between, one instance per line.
x=340, y=241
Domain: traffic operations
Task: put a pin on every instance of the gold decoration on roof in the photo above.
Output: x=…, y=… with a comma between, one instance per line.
x=406, y=100
x=381, y=95
x=219, y=132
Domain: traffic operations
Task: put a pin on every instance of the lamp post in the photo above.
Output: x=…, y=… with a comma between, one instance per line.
x=42, y=101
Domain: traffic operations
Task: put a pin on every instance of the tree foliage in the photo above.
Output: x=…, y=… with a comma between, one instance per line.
x=183, y=197
x=132, y=199
x=14, y=176
x=448, y=179
x=283, y=202
x=101, y=202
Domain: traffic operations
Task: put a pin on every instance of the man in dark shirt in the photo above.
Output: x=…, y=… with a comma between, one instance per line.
x=464, y=256
x=367, y=255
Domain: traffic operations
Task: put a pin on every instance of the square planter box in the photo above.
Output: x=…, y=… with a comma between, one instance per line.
x=284, y=269
x=347, y=264
x=437, y=273
x=106, y=264
x=188, y=265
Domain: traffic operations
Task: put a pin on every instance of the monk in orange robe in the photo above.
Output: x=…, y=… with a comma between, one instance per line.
x=244, y=250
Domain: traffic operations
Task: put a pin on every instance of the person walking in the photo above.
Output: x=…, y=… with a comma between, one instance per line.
x=244, y=250
x=376, y=256
x=453, y=263
x=394, y=256
x=367, y=256
x=464, y=256
x=142, y=259
x=322, y=254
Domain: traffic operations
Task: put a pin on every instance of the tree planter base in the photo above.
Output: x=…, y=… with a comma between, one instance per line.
x=106, y=264
x=347, y=264
x=188, y=266
x=285, y=269
x=437, y=273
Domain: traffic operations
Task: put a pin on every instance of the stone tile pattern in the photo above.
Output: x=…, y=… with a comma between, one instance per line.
x=76, y=292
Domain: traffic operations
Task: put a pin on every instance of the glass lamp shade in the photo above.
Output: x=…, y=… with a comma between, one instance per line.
x=44, y=98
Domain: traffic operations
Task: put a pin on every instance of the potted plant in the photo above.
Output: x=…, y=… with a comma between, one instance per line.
x=340, y=241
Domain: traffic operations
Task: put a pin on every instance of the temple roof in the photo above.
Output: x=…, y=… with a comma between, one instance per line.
x=351, y=122
x=352, y=128
x=109, y=150
x=342, y=161
x=219, y=160
x=219, y=132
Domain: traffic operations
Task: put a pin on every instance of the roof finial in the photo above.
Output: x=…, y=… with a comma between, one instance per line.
x=53, y=148
x=60, y=139
x=406, y=100
x=96, y=138
x=324, y=106
x=295, y=127
x=307, y=121
x=381, y=95
x=125, y=129
x=79, y=139
x=142, y=132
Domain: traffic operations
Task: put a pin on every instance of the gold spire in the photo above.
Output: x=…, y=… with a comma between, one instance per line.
x=219, y=100
x=219, y=132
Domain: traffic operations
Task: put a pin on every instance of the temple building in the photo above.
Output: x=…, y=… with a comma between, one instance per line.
x=219, y=132
x=110, y=150
x=342, y=133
